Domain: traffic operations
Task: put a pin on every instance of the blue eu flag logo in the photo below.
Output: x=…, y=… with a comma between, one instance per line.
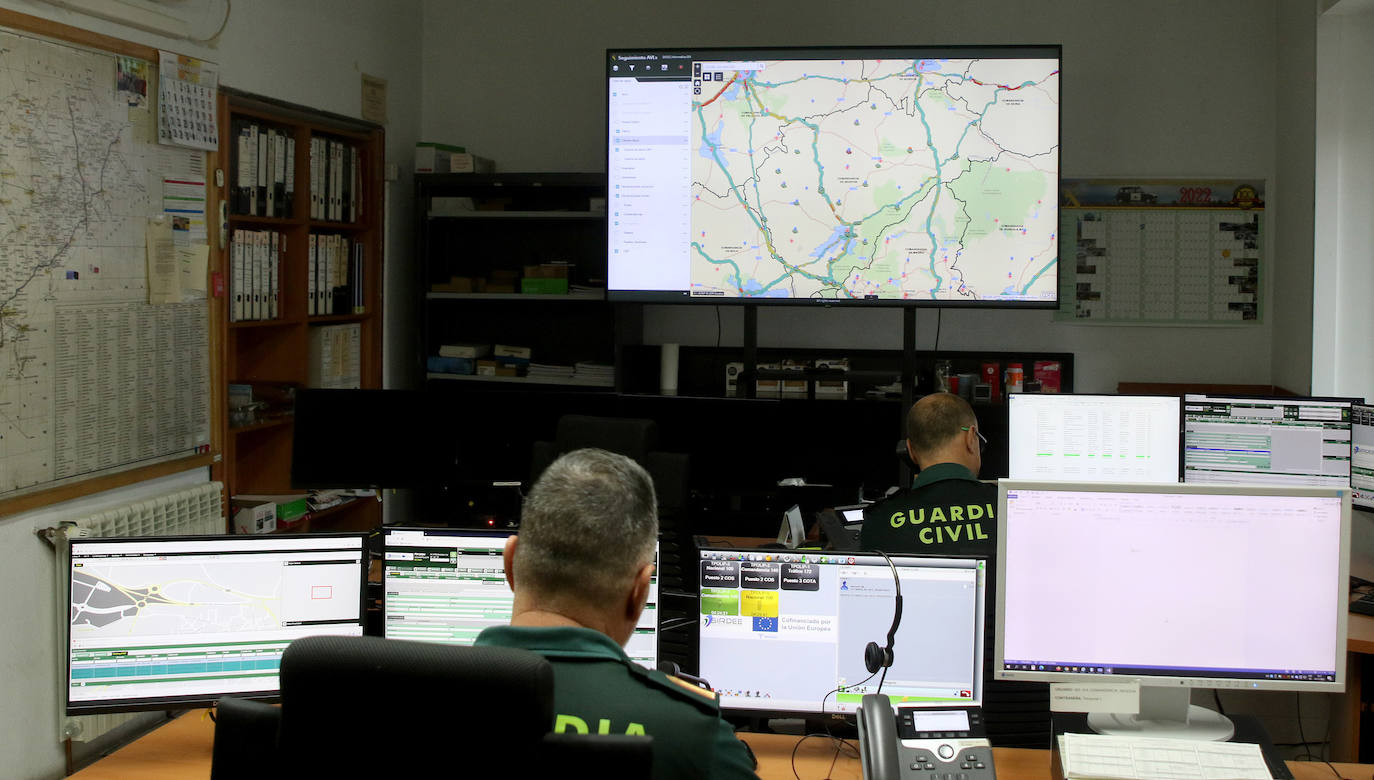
x=766, y=624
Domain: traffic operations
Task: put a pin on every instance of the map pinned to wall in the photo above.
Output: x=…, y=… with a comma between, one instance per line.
x=1171, y=251
x=92, y=378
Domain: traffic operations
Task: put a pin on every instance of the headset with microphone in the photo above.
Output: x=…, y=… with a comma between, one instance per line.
x=878, y=657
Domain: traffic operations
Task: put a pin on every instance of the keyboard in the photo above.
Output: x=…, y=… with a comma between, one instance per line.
x=1363, y=605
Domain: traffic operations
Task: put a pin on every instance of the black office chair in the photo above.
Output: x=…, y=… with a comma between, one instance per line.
x=354, y=705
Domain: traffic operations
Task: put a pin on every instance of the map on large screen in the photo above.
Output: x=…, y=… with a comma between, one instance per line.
x=835, y=176
x=855, y=178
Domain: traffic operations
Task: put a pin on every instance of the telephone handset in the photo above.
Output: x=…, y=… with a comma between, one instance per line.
x=921, y=742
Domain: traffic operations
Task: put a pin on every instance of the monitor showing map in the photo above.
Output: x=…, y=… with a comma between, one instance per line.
x=888, y=176
x=158, y=622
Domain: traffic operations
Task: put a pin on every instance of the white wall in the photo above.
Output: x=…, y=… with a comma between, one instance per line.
x=310, y=52
x=1343, y=319
x=1174, y=88
x=1291, y=198
x=29, y=745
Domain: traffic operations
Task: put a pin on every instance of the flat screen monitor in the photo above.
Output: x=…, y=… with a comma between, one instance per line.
x=1172, y=586
x=1093, y=438
x=834, y=175
x=181, y=621
x=368, y=438
x=447, y=585
x=784, y=633
x=1259, y=440
x=1362, y=456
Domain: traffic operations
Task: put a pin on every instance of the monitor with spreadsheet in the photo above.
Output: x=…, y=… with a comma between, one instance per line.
x=1252, y=439
x=181, y=621
x=1172, y=586
x=783, y=632
x=1093, y=438
x=447, y=585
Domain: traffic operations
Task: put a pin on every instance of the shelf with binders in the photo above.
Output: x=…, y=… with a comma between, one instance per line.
x=290, y=342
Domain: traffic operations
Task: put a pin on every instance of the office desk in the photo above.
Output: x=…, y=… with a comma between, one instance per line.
x=181, y=750
x=1345, y=729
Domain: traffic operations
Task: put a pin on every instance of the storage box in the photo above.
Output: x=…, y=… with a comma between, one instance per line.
x=435, y=158
x=541, y=286
x=794, y=388
x=254, y=517
x=289, y=507
x=493, y=368
x=1047, y=373
x=438, y=364
x=836, y=388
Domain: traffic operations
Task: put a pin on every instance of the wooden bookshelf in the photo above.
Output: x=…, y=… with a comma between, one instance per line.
x=257, y=455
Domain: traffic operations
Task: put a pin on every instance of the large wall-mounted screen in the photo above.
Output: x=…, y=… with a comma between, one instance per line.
x=879, y=176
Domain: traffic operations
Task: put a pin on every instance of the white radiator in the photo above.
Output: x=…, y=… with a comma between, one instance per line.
x=195, y=510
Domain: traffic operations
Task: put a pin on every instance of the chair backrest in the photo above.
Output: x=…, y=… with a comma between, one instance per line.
x=366, y=703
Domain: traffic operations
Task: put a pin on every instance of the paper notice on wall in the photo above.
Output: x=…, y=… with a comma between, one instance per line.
x=183, y=201
x=194, y=264
x=164, y=275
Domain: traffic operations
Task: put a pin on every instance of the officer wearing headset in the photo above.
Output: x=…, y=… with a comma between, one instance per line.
x=580, y=569
x=948, y=511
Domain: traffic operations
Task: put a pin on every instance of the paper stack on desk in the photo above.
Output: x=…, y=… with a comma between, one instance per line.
x=1098, y=757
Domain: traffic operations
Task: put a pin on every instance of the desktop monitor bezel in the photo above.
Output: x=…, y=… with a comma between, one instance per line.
x=912, y=51
x=146, y=704
x=1339, y=596
x=1183, y=421
x=1178, y=423
x=909, y=620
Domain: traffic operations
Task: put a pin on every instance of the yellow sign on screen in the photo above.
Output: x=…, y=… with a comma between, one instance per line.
x=758, y=603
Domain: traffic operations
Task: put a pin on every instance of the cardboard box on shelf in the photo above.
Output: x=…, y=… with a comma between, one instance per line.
x=254, y=517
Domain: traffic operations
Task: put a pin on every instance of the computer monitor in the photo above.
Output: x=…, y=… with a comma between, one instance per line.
x=447, y=585
x=367, y=438
x=1170, y=587
x=1233, y=439
x=834, y=175
x=1093, y=438
x=783, y=633
x=181, y=621
x=1362, y=456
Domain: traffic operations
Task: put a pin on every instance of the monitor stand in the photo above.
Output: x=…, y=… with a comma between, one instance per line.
x=1166, y=713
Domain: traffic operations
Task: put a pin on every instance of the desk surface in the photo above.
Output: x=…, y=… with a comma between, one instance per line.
x=181, y=750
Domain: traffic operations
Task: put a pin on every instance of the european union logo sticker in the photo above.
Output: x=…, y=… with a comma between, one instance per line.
x=766, y=624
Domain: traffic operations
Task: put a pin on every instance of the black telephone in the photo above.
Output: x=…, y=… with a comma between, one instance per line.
x=921, y=742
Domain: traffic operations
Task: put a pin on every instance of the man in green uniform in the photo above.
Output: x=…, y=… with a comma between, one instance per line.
x=580, y=569
x=949, y=512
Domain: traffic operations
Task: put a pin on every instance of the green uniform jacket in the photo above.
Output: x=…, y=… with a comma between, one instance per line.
x=946, y=512
x=949, y=512
x=599, y=690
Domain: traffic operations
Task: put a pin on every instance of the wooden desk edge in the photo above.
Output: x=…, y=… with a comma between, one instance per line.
x=182, y=749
